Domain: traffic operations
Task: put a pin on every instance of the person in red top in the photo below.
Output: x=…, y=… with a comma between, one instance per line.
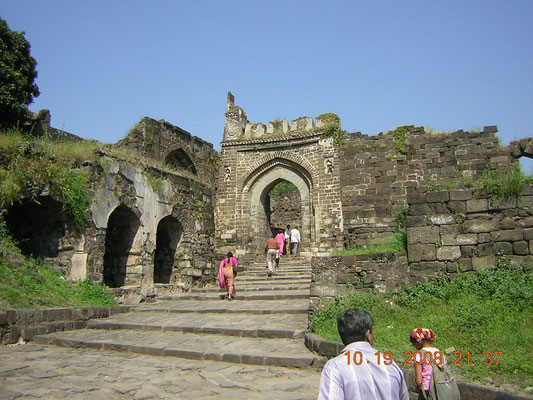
x=271, y=251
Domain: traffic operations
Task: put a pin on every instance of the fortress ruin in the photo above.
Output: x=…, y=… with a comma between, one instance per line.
x=155, y=226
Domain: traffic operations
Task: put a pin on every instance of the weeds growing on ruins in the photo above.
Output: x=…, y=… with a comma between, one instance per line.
x=498, y=184
x=490, y=310
x=26, y=283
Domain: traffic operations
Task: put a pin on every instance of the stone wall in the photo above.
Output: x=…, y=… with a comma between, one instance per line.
x=445, y=230
x=18, y=325
x=170, y=144
x=377, y=171
x=149, y=196
x=333, y=276
x=448, y=229
x=285, y=209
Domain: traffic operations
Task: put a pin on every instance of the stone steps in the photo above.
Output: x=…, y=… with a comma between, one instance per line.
x=245, y=350
x=241, y=296
x=264, y=325
x=256, y=287
x=295, y=306
x=243, y=324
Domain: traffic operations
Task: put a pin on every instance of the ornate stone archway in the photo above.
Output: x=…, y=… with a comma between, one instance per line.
x=251, y=166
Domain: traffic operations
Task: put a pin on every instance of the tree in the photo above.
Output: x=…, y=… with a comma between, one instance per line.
x=17, y=75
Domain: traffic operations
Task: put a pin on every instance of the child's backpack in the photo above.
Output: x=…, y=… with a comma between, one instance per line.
x=443, y=385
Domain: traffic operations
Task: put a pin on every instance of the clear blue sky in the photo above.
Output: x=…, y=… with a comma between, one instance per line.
x=455, y=64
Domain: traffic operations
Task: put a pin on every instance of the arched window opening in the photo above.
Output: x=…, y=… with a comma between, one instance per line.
x=122, y=227
x=168, y=237
x=179, y=159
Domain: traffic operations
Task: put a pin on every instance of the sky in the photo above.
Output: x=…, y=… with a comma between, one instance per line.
x=445, y=65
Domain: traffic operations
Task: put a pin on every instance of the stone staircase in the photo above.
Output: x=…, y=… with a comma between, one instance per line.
x=264, y=325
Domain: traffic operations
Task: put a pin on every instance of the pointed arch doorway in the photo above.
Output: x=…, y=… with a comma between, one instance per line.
x=256, y=224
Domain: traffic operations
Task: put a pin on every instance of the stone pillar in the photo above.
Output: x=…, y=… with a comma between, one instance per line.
x=235, y=120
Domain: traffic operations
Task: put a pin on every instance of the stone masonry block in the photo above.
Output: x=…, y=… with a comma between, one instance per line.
x=528, y=234
x=425, y=234
x=507, y=223
x=435, y=197
x=478, y=226
x=460, y=195
x=477, y=205
x=448, y=253
x=422, y=252
x=505, y=247
x=507, y=236
x=415, y=198
x=483, y=262
x=521, y=248
x=458, y=207
x=418, y=220
x=525, y=201
x=442, y=219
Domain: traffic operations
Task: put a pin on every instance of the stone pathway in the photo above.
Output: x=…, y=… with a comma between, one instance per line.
x=193, y=345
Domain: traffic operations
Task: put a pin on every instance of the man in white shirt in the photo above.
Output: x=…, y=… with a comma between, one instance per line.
x=295, y=240
x=361, y=371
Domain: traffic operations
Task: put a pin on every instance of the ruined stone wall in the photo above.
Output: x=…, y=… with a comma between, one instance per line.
x=448, y=229
x=337, y=276
x=445, y=230
x=377, y=171
x=285, y=209
x=151, y=194
x=162, y=141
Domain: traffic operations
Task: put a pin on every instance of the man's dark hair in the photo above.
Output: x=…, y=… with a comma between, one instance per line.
x=353, y=324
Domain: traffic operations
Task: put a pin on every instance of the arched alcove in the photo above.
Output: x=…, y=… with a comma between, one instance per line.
x=38, y=225
x=180, y=159
x=169, y=232
x=122, y=227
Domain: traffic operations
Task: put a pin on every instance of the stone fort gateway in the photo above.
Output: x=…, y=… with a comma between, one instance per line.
x=164, y=225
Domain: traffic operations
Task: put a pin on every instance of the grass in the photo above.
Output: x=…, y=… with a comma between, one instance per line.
x=392, y=244
x=26, y=283
x=498, y=184
x=491, y=310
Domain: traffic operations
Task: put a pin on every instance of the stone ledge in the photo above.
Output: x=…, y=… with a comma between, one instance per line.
x=25, y=324
x=469, y=391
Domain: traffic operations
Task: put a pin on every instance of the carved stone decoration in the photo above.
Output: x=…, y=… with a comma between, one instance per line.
x=227, y=173
x=255, y=130
x=329, y=166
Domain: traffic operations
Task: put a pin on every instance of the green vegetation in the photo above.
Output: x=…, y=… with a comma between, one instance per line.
x=28, y=165
x=400, y=139
x=17, y=86
x=497, y=184
x=490, y=310
x=280, y=188
x=26, y=283
x=333, y=128
x=329, y=118
x=391, y=244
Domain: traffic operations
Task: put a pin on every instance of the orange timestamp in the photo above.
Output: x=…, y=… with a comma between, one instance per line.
x=437, y=358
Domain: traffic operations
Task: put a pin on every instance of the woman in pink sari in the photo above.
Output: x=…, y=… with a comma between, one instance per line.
x=227, y=270
x=280, y=238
